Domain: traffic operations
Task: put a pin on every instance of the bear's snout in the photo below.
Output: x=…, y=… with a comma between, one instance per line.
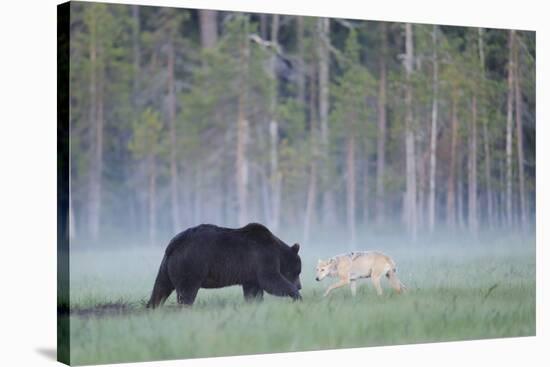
x=317, y=278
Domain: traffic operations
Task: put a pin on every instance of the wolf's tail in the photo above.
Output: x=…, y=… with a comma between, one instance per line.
x=163, y=286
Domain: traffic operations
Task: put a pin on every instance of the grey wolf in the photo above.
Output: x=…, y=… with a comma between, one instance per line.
x=350, y=267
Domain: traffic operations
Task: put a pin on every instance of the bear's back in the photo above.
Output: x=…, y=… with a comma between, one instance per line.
x=254, y=234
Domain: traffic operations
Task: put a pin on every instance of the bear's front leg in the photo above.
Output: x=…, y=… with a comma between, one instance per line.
x=252, y=292
x=277, y=285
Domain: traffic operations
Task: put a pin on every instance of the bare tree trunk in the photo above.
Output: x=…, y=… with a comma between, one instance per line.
x=472, y=171
x=488, y=178
x=519, y=140
x=152, y=200
x=137, y=52
x=263, y=25
x=209, y=37
x=72, y=223
x=409, y=139
x=174, y=175
x=489, y=191
x=509, y=128
x=134, y=214
x=381, y=141
x=241, y=162
x=310, y=201
x=312, y=180
x=350, y=179
x=301, y=65
x=208, y=27
x=433, y=134
x=323, y=29
x=460, y=190
x=421, y=187
x=96, y=121
x=366, y=189
x=323, y=58
x=92, y=199
x=275, y=173
x=197, y=197
x=451, y=195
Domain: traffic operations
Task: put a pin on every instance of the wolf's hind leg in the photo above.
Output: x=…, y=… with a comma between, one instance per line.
x=376, y=282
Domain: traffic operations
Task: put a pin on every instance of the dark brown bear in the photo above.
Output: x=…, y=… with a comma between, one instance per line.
x=208, y=256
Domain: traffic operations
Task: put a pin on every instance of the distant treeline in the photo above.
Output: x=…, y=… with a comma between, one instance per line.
x=180, y=117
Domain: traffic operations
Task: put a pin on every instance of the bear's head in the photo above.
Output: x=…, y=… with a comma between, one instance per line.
x=291, y=265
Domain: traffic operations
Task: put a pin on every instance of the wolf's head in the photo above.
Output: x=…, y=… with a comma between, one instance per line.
x=324, y=268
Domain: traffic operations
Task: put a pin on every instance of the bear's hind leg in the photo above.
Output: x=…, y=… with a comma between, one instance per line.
x=187, y=290
x=252, y=292
x=187, y=295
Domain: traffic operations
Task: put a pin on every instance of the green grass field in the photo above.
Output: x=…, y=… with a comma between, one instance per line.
x=455, y=292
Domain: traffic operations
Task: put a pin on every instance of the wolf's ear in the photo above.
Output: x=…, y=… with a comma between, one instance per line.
x=296, y=248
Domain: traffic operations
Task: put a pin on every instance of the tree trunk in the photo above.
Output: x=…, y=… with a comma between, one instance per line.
x=312, y=180
x=241, y=161
x=472, y=171
x=275, y=174
x=433, y=135
x=323, y=29
x=381, y=141
x=199, y=199
x=486, y=143
x=301, y=64
x=460, y=191
x=72, y=223
x=134, y=214
x=451, y=194
x=350, y=176
x=310, y=201
x=421, y=186
x=263, y=25
x=509, y=128
x=174, y=176
x=209, y=37
x=137, y=52
x=208, y=27
x=411, y=220
x=323, y=58
x=96, y=122
x=519, y=139
x=152, y=201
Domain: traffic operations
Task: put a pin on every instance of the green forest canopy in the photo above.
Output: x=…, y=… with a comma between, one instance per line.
x=179, y=117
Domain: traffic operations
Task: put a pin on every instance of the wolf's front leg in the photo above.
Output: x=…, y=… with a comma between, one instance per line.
x=339, y=284
x=353, y=287
x=376, y=282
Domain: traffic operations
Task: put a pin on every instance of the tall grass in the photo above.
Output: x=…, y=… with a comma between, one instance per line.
x=455, y=292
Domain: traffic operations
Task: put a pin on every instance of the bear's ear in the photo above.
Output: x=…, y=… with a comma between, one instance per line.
x=296, y=247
